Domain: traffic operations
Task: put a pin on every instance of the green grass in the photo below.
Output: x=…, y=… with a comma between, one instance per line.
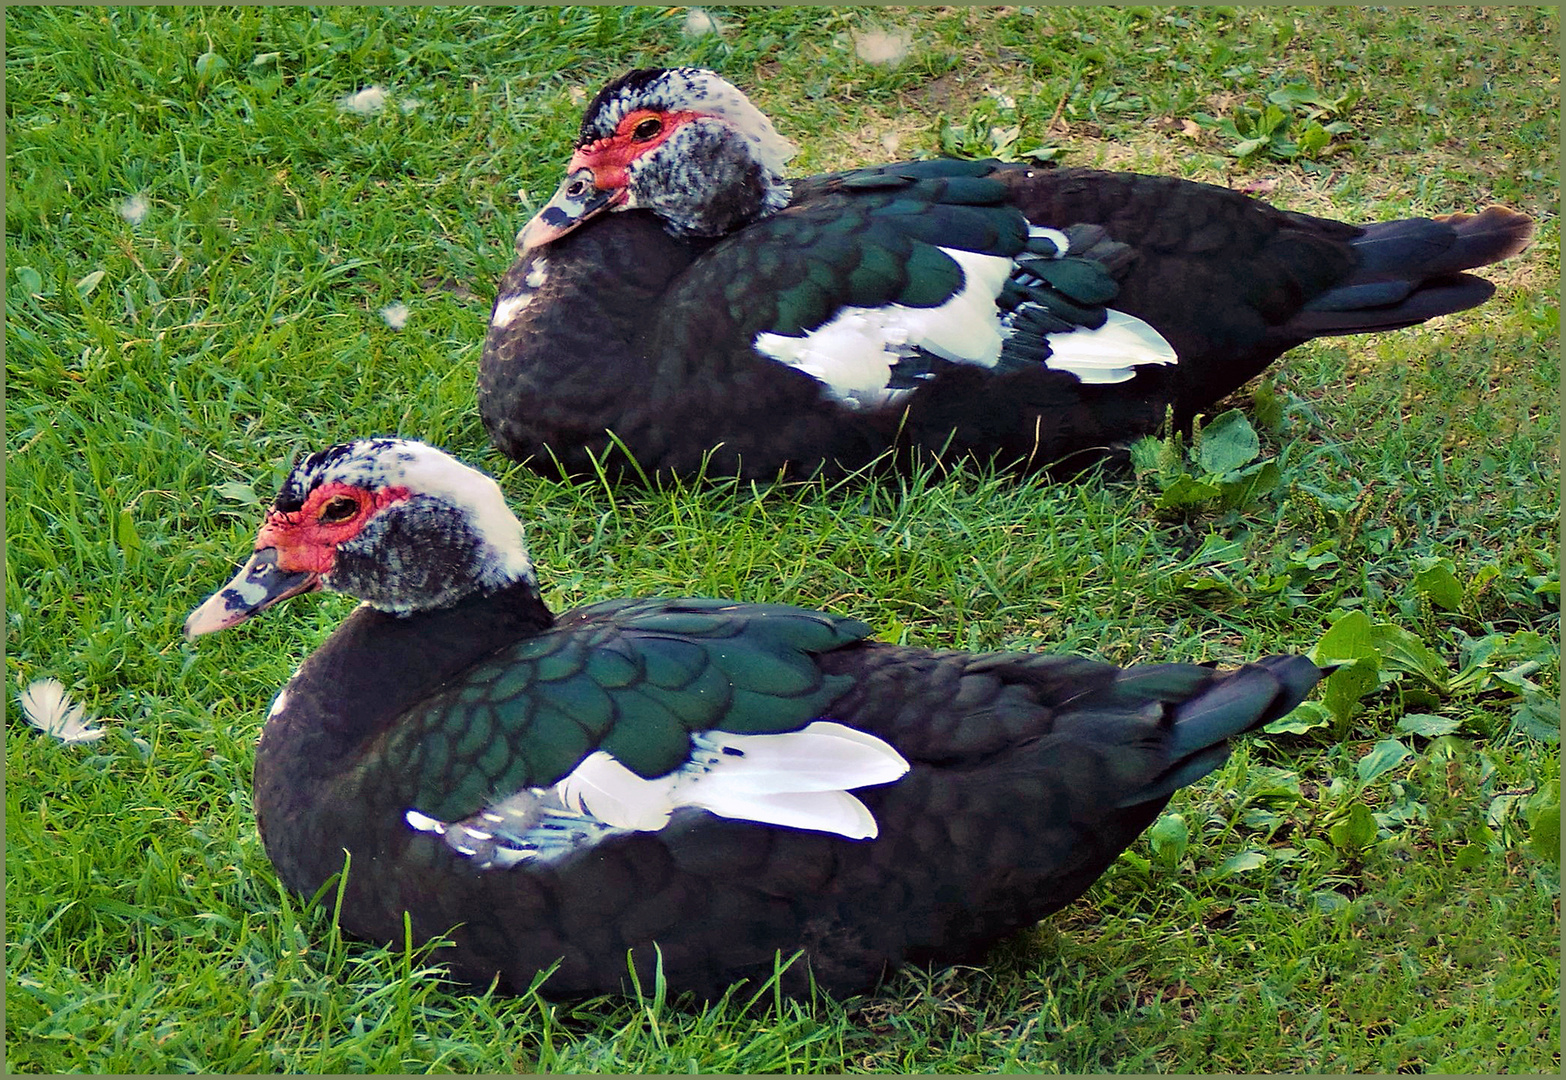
x=151, y=410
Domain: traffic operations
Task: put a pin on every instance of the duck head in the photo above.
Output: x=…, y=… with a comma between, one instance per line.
x=680, y=142
x=396, y=523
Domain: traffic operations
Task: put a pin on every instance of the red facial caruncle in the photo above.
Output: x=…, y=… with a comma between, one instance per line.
x=642, y=131
x=306, y=539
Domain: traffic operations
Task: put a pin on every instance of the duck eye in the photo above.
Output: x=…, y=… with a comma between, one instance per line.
x=339, y=509
x=647, y=129
x=576, y=188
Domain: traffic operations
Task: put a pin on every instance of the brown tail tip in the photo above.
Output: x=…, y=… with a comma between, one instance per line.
x=1496, y=230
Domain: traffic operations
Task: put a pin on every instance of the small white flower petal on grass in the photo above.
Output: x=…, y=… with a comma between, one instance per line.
x=367, y=102
x=134, y=209
x=396, y=315
x=883, y=46
x=50, y=709
x=699, y=22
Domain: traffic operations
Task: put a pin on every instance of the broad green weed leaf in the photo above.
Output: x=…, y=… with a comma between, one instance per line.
x=1252, y=482
x=1544, y=833
x=1187, y=491
x=1306, y=716
x=1429, y=726
x=238, y=491
x=125, y=534
x=1345, y=686
x=1219, y=549
x=1169, y=838
x=1328, y=900
x=29, y=279
x=1313, y=138
x=1247, y=148
x=1348, y=639
x=1403, y=651
x=1538, y=717
x=1295, y=94
x=1236, y=864
x=1386, y=755
x=1227, y=443
x=1358, y=830
x=208, y=64
x=1438, y=580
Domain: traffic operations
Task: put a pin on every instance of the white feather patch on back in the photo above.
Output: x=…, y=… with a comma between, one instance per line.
x=1108, y=354
x=279, y=703
x=853, y=353
x=822, y=756
x=527, y=826
x=1111, y=353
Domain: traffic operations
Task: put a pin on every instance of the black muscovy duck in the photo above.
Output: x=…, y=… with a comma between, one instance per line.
x=1024, y=311
x=701, y=781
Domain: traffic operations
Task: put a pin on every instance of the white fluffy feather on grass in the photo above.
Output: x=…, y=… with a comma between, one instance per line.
x=367, y=102
x=50, y=709
x=134, y=209
x=883, y=46
x=396, y=315
x=699, y=23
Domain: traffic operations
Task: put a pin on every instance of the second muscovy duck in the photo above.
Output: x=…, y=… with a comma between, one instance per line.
x=698, y=783
x=679, y=299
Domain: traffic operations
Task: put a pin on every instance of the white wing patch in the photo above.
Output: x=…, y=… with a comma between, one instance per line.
x=1112, y=353
x=1109, y=354
x=798, y=779
x=853, y=353
x=532, y=824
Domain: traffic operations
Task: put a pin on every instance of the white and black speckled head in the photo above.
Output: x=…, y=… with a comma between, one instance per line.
x=396, y=523
x=680, y=142
x=685, y=89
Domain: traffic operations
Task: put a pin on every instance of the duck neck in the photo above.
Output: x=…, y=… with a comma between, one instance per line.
x=377, y=665
x=595, y=282
x=569, y=337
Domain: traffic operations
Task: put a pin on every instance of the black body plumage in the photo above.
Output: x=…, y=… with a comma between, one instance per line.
x=694, y=782
x=1028, y=775
x=640, y=340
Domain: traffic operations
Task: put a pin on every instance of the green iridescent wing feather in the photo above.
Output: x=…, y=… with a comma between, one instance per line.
x=860, y=239
x=634, y=678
